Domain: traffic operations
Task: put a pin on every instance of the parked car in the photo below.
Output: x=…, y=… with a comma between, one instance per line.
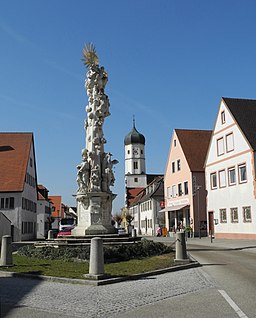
x=64, y=232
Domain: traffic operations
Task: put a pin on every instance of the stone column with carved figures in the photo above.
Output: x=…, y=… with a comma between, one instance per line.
x=95, y=173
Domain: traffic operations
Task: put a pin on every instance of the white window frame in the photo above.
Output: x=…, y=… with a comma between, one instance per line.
x=174, y=191
x=222, y=185
x=229, y=176
x=222, y=219
x=232, y=218
x=245, y=218
x=220, y=146
x=240, y=166
x=169, y=192
x=230, y=142
x=223, y=117
x=211, y=180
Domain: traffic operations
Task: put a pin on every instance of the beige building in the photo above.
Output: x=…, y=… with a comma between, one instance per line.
x=184, y=181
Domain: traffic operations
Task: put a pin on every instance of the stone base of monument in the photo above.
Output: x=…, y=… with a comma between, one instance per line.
x=94, y=229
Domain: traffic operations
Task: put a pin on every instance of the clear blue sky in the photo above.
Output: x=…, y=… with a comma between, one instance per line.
x=169, y=63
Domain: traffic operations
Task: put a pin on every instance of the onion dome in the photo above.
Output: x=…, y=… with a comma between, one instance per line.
x=134, y=137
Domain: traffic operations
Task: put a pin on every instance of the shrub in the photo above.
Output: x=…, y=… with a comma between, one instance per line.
x=117, y=253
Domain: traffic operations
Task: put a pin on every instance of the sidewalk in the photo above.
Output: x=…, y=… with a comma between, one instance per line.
x=247, y=245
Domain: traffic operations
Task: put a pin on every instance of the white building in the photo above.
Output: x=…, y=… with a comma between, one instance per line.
x=146, y=206
x=230, y=171
x=44, y=210
x=18, y=183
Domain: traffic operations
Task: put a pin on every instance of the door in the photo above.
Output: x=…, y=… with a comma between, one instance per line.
x=211, y=223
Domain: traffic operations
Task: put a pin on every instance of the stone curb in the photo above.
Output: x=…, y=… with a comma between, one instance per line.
x=108, y=281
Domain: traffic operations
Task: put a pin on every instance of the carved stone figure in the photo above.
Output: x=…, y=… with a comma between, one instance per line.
x=83, y=173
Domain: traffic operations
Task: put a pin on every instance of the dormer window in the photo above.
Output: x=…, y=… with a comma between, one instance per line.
x=223, y=118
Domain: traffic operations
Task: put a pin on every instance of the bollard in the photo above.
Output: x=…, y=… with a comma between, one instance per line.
x=6, y=251
x=181, y=251
x=50, y=234
x=134, y=234
x=96, y=267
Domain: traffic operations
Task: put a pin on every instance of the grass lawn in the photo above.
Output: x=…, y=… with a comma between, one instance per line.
x=69, y=269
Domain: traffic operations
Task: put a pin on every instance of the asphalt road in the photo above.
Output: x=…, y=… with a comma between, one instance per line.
x=223, y=287
x=234, y=271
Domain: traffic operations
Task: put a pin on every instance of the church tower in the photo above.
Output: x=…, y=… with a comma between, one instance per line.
x=135, y=165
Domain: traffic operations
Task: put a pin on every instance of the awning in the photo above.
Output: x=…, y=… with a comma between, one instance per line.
x=176, y=207
x=161, y=211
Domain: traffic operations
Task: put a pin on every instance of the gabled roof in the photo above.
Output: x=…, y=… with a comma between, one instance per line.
x=145, y=195
x=131, y=194
x=14, y=156
x=194, y=144
x=244, y=113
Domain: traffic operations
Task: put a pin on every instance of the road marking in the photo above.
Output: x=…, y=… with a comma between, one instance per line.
x=240, y=313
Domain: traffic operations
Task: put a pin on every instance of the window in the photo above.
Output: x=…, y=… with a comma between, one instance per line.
x=11, y=203
x=232, y=176
x=173, y=167
x=234, y=215
x=222, y=179
x=247, y=214
x=174, y=191
x=128, y=152
x=223, y=118
x=223, y=216
x=178, y=164
x=186, y=187
x=230, y=142
x=31, y=162
x=141, y=151
x=242, y=173
x=213, y=180
x=135, y=165
x=168, y=192
x=174, y=142
x=7, y=203
x=180, y=189
x=135, y=179
x=220, y=146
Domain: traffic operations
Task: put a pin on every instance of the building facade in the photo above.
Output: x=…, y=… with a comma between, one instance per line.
x=184, y=181
x=44, y=209
x=18, y=184
x=146, y=206
x=230, y=171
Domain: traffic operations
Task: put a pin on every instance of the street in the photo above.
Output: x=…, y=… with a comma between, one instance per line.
x=225, y=286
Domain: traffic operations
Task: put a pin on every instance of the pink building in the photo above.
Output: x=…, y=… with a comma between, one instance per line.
x=184, y=181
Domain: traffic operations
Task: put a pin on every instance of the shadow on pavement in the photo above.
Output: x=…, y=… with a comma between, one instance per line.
x=12, y=291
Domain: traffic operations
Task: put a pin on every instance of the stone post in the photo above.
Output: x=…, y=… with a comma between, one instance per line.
x=96, y=267
x=50, y=234
x=181, y=251
x=6, y=251
x=134, y=234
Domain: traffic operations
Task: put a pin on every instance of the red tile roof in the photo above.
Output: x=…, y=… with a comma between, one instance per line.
x=14, y=156
x=131, y=194
x=194, y=144
x=56, y=203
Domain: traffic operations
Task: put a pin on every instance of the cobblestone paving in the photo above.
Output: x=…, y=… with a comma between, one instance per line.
x=102, y=301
